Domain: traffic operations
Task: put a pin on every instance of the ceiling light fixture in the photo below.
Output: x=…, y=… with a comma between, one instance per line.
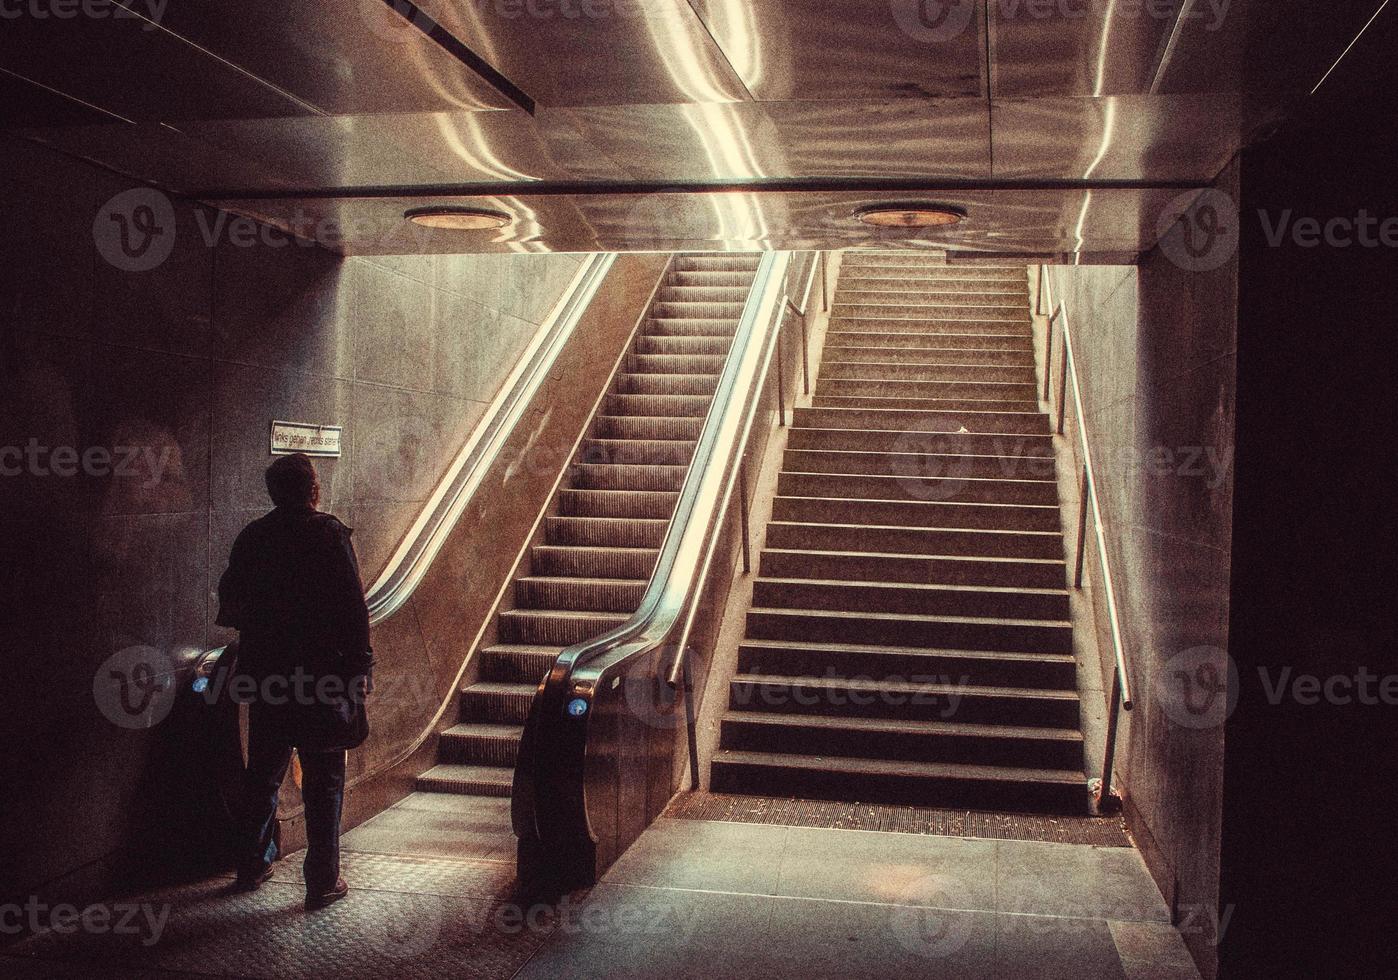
x=456, y=218
x=910, y=215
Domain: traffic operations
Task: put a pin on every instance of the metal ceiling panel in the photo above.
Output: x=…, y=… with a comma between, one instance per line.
x=754, y=140
x=1146, y=138
x=1020, y=222
x=356, y=56
x=835, y=49
x=594, y=52
x=1046, y=48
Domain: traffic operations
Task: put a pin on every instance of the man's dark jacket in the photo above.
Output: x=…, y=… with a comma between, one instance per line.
x=292, y=590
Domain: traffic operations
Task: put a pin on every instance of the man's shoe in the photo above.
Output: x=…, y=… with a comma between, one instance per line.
x=321, y=899
x=252, y=882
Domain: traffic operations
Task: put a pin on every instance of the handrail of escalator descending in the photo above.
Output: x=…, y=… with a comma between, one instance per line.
x=549, y=798
x=429, y=532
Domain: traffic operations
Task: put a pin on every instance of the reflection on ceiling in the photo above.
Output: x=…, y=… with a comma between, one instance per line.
x=1064, y=127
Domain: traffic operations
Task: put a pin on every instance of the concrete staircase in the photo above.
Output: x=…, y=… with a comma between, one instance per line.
x=601, y=547
x=909, y=637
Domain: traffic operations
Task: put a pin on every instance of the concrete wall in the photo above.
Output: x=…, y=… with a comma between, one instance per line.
x=186, y=363
x=1155, y=347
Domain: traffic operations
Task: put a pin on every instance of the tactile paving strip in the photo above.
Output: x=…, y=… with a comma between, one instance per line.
x=1099, y=831
x=267, y=934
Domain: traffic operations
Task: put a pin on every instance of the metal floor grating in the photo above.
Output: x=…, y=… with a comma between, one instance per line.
x=1097, y=831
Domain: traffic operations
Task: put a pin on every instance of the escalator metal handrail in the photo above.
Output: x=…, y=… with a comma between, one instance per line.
x=463, y=478
x=696, y=512
x=675, y=584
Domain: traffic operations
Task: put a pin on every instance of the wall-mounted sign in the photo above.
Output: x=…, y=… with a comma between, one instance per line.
x=303, y=437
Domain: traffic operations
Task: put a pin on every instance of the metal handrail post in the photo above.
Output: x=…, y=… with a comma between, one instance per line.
x=743, y=515
x=1084, y=487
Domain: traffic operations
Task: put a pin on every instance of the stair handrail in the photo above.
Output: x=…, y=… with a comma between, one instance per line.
x=1088, y=506
x=423, y=542
x=686, y=551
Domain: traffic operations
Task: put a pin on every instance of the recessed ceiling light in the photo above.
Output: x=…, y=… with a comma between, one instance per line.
x=910, y=215
x=458, y=218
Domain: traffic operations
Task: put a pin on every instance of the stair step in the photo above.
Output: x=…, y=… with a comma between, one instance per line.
x=916, y=404
x=907, y=629
x=918, y=698
x=667, y=384
x=646, y=504
x=677, y=293
x=1016, y=423
x=694, y=406
x=985, y=330
x=599, y=562
x=723, y=262
x=598, y=594
x=873, y=367
x=678, y=428
x=638, y=452
x=916, y=513
x=919, y=283
x=993, y=445
x=982, y=668
x=467, y=780
x=894, y=338
x=911, y=459
x=691, y=310
x=556, y=627
x=605, y=532
x=713, y=277
x=952, y=487
x=855, y=292
x=620, y=476
x=517, y=664
x=845, y=349
x=712, y=329
x=481, y=743
x=1003, y=315
x=687, y=345
x=903, y=740
x=914, y=540
x=1042, y=573
x=498, y=702
x=927, y=599
x=918, y=784
x=706, y=364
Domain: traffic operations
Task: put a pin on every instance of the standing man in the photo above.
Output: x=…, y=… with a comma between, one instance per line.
x=292, y=591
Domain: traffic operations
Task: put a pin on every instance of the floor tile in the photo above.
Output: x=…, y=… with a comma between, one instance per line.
x=898, y=869
x=699, y=854
x=1153, y=951
x=1073, y=880
x=626, y=931
x=1029, y=947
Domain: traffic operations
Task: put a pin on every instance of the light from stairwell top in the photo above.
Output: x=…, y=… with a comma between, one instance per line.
x=910, y=215
x=457, y=218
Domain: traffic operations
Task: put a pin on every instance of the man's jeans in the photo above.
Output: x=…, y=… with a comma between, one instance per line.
x=322, y=789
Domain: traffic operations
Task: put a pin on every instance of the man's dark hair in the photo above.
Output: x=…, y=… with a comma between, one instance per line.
x=291, y=481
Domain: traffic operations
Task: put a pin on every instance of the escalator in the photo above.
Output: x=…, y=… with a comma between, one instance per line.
x=599, y=546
